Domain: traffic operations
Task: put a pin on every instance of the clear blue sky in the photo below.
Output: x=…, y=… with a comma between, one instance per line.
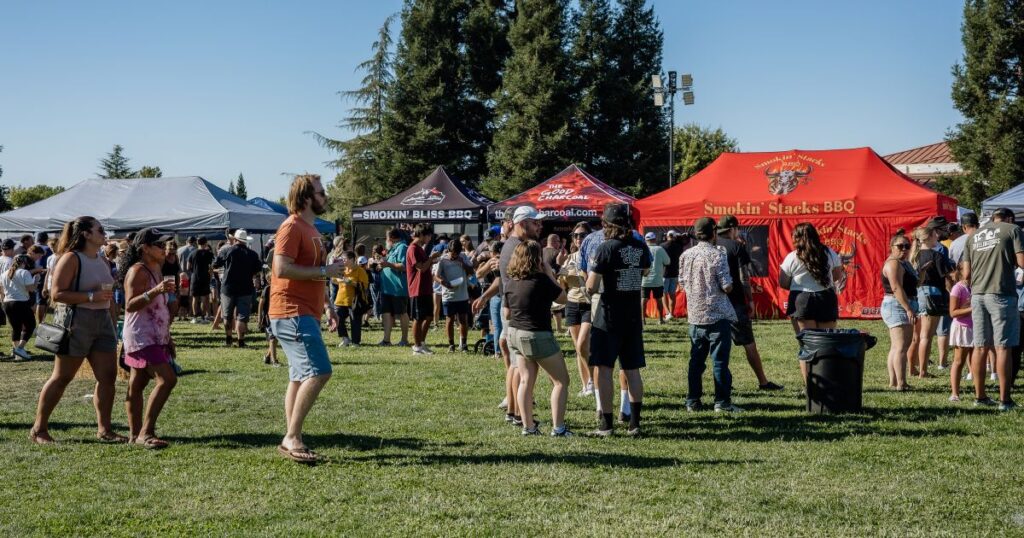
x=218, y=88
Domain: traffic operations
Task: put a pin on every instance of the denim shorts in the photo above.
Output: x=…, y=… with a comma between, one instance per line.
x=893, y=313
x=996, y=321
x=303, y=345
x=932, y=301
x=670, y=285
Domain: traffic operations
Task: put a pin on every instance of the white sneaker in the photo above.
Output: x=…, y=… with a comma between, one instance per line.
x=727, y=408
x=970, y=377
x=417, y=350
x=941, y=367
x=993, y=377
x=503, y=404
x=195, y=321
x=668, y=317
x=427, y=350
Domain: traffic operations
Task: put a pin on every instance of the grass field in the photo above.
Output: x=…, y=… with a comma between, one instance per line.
x=417, y=446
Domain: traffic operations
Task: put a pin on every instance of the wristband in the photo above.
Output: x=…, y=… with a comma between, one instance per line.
x=323, y=271
x=89, y=296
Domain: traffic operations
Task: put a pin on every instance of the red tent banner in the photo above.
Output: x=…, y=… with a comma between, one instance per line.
x=853, y=198
x=571, y=195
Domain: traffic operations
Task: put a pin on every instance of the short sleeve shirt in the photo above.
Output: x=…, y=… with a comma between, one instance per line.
x=992, y=253
x=529, y=302
x=932, y=268
x=300, y=241
x=420, y=283
x=452, y=270
x=660, y=262
x=802, y=278
x=621, y=264
x=16, y=289
x=737, y=256
x=963, y=297
x=393, y=281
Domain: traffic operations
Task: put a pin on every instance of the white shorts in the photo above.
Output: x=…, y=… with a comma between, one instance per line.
x=961, y=335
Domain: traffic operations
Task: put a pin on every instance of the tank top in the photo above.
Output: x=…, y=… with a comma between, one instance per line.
x=95, y=273
x=149, y=326
x=909, y=280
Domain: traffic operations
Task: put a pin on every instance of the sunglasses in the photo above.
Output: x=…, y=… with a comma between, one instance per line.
x=902, y=246
x=579, y=235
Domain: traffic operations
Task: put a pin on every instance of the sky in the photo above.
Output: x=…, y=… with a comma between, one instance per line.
x=215, y=89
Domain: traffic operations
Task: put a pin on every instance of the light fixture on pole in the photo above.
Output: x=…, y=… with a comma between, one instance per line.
x=660, y=94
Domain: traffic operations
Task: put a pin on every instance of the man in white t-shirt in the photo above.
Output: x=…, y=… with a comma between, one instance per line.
x=654, y=281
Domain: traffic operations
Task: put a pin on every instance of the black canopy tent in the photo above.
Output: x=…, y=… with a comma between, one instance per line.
x=447, y=203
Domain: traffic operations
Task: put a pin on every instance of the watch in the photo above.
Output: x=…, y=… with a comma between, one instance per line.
x=146, y=295
x=323, y=271
x=89, y=295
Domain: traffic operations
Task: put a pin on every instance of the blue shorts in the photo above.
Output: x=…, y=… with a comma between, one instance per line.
x=302, y=344
x=670, y=285
x=945, y=323
x=893, y=313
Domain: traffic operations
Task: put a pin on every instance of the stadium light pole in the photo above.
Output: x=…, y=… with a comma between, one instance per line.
x=685, y=83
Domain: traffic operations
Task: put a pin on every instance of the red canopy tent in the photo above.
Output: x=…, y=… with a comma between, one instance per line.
x=570, y=196
x=853, y=197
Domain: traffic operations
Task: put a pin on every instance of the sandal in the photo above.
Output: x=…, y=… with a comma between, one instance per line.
x=151, y=442
x=40, y=438
x=299, y=455
x=111, y=437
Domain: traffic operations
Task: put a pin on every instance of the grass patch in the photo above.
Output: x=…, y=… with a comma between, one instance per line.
x=417, y=446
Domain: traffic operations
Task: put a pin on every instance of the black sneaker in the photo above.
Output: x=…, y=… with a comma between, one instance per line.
x=510, y=418
x=228, y=341
x=451, y=348
x=694, y=407
x=770, y=386
x=241, y=343
x=266, y=359
x=517, y=421
x=624, y=418
x=985, y=402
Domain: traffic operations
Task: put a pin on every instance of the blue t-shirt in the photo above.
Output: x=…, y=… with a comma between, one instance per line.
x=393, y=281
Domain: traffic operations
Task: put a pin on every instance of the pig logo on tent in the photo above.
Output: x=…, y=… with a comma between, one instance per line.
x=424, y=196
x=785, y=178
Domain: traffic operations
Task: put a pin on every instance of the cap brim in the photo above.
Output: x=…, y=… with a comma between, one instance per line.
x=164, y=238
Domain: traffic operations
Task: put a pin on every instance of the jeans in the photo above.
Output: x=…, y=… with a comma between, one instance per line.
x=344, y=314
x=713, y=339
x=495, y=309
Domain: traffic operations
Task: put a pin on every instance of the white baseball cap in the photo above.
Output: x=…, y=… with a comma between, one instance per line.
x=526, y=212
x=671, y=233
x=650, y=236
x=362, y=260
x=242, y=235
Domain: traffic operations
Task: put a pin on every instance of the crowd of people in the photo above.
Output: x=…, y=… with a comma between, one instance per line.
x=959, y=283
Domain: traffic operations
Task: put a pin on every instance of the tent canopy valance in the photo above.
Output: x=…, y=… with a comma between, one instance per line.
x=1012, y=199
x=571, y=195
x=178, y=204
x=437, y=198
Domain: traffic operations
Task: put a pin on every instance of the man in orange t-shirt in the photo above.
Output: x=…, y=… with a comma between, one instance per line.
x=296, y=305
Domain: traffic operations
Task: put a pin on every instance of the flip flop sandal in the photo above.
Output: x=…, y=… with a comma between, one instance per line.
x=111, y=437
x=38, y=439
x=152, y=442
x=299, y=455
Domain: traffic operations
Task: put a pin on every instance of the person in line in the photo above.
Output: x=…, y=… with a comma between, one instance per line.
x=531, y=289
x=172, y=267
x=263, y=320
x=654, y=280
x=969, y=224
x=452, y=274
x=704, y=275
x=421, y=290
x=24, y=242
x=40, y=298
x=577, y=307
x=92, y=328
x=436, y=253
x=990, y=257
x=335, y=256
x=297, y=290
x=240, y=265
x=961, y=333
x=375, y=272
x=813, y=274
x=488, y=276
x=148, y=346
x=394, y=288
x=199, y=267
x=554, y=256
x=617, y=267
x=899, y=308
x=943, y=230
x=352, y=283
x=674, y=245
x=934, y=274
x=18, y=285
x=742, y=301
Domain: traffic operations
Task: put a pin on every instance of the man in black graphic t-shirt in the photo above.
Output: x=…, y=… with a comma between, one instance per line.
x=618, y=266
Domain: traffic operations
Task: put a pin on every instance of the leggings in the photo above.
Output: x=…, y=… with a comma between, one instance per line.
x=21, y=318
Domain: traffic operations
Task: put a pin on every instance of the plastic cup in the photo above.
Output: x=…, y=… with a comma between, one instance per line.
x=457, y=281
x=107, y=287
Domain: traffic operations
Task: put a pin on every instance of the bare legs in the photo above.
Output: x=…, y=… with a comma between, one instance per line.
x=924, y=343
x=961, y=356
x=581, y=341
x=143, y=427
x=389, y=323
x=104, y=367
x=555, y=368
x=896, y=362
x=298, y=400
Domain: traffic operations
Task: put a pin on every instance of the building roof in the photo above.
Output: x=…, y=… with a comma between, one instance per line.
x=926, y=163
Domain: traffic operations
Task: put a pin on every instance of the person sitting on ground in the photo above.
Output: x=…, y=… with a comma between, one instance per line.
x=529, y=292
x=148, y=346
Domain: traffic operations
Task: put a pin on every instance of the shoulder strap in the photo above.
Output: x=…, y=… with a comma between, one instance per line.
x=78, y=273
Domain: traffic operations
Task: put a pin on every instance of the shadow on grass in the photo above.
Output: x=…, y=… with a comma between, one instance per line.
x=589, y=460
x=334, y=440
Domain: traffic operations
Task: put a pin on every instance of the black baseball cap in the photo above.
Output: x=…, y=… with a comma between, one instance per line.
x=148, y=236
x=728, y=222
x=704, y=228
x=8, y=244
x=617, y=214
x=969, y=219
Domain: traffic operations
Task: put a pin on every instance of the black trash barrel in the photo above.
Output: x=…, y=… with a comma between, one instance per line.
x=835, y=368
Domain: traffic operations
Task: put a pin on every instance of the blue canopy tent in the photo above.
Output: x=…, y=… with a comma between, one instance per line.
x=323, y=226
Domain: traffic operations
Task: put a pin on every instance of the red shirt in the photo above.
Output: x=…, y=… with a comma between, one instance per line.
x=300, y=241
x=421, y=283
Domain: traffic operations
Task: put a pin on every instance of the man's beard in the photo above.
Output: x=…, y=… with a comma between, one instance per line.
x=317, y=207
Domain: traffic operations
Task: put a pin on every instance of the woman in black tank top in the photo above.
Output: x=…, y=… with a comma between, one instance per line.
x=899, y=309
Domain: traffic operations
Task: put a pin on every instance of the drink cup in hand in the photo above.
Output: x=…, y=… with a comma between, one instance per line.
x=106, y=292
x=169, y=286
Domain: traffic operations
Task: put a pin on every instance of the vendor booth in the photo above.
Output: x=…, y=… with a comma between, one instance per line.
x=569, y=197
x=447, y=203
x=1012, y=199
x=854, y=198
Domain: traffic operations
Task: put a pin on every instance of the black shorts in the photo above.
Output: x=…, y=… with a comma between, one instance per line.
x=199, y=286
x=742, y=328
x=625, y=345
x=394, y=305
x=658, y=291
x=576, y=313
x=455, y=308
x=422, y=307
x=819, y=306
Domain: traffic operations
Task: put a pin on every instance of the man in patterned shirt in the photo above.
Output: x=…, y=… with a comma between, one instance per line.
x=704, y=275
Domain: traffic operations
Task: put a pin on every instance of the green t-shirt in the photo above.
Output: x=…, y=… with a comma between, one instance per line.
x=394, y=282
x=659, y=261
x=992, y=253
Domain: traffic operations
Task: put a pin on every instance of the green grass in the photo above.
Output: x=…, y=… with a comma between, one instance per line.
x=417, y=446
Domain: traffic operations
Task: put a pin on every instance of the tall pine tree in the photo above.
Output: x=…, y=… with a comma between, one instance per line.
x=486, y=48
x=987, y=89
x=240, y=190
x=424, y=120
x=594, y=129
x=231, y=187
x=533, y=106
x=639, y=161
x=115, y=165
